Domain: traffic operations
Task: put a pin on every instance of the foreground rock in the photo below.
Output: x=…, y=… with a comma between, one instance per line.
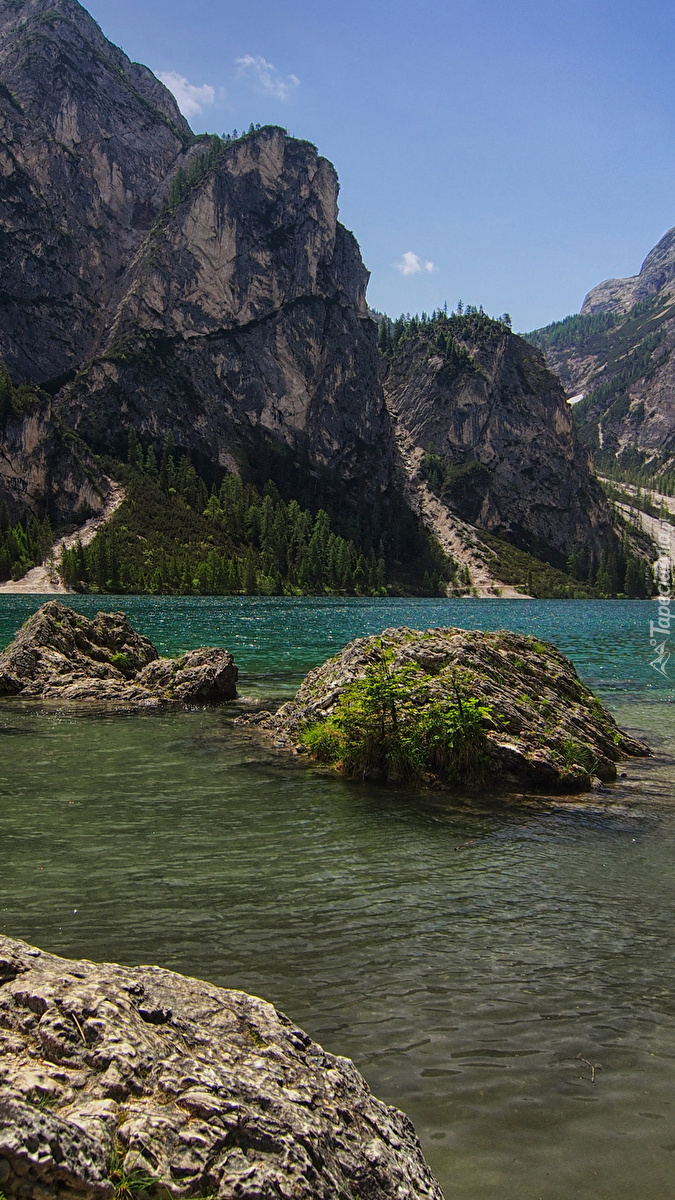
x=545, y=730
x=111, y=1074
x=60, y=655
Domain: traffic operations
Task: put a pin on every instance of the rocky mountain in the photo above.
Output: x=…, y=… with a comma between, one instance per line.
x=87, y=142
x=489, y=428
x=619, y=352
x=657, y=274
x=178, y=283
x=204, y=289
x=243, y=327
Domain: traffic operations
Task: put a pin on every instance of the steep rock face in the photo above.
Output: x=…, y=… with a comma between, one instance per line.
x=619, y=352
x=184, y=285
x=87, y=139
x=656, y=274
x=45, y=468
x=499, y=423
x=244, y=322
x=125, y=1080
x=628, y=410
x=226, y=305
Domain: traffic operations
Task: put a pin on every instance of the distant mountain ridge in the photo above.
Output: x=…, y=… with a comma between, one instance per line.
x=619, y=351
x=656, y=274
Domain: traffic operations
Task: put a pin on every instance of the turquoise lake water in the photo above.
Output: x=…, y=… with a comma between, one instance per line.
x=463, y=952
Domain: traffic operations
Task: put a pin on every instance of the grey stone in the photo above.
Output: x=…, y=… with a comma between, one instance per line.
x=506, y=428
x=547, y=731
x=60, y=655
x=224, y=1096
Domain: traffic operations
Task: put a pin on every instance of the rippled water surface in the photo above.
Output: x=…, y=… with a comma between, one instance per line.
x=464, y=954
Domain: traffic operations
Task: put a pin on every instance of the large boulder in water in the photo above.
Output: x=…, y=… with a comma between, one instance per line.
x=454, y=706
x=60, y=655
x=138, y=1081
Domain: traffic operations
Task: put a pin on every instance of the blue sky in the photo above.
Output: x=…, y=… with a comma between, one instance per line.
x=506, y=154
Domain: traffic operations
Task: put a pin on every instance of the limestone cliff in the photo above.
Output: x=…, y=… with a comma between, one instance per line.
x=619, y=353
x=205, y=288
x=494, y=434
x=657, y=274
x=87, y=139
x=244, y=323
x=45, y=467
x=181, y=283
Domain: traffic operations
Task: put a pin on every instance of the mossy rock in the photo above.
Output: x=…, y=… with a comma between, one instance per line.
x=455, y=707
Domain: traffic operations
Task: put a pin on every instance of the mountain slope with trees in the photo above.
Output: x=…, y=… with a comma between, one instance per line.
x=202, y=292
x=172, y=535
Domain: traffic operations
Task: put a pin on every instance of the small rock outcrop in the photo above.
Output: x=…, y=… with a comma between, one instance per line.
x=60, y=655
x=129, y=1081
x=545, y=729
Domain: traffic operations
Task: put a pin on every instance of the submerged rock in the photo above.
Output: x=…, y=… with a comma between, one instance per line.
x=60, y=655
x=129, y=1081
x=543, y=728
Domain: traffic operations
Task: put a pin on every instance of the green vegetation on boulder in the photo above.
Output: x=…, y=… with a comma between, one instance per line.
x=454, y=708
x=390, y=724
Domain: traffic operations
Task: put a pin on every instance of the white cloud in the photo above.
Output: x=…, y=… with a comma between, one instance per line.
x=266, y=75
x=190, y=98
x=412, y=264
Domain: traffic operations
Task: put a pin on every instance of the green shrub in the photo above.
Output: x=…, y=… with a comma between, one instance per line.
x=576, y=754
x=121, y=661
x=129, y=1183
x=393, y=725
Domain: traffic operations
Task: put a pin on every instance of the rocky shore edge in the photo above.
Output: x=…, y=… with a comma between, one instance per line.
x=454, y=707
x=125, y=1081
x=58, y=654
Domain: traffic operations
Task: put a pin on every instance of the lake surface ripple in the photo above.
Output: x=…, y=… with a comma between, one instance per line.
x=467, y=955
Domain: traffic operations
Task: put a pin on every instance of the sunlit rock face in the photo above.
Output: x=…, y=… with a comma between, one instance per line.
x=235, y=318
x=87, y=139
x=244, y=322
x=657, y=274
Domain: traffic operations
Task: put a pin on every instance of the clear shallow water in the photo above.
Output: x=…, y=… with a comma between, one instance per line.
x=275, y=641
x=463, y=954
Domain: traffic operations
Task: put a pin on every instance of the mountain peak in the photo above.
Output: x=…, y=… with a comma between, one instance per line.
x=53, y=50
x=656, y=273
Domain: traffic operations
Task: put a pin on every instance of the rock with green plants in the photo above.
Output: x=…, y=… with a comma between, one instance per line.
x=454, y=708
x=58, y=654
x=118, y=1083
